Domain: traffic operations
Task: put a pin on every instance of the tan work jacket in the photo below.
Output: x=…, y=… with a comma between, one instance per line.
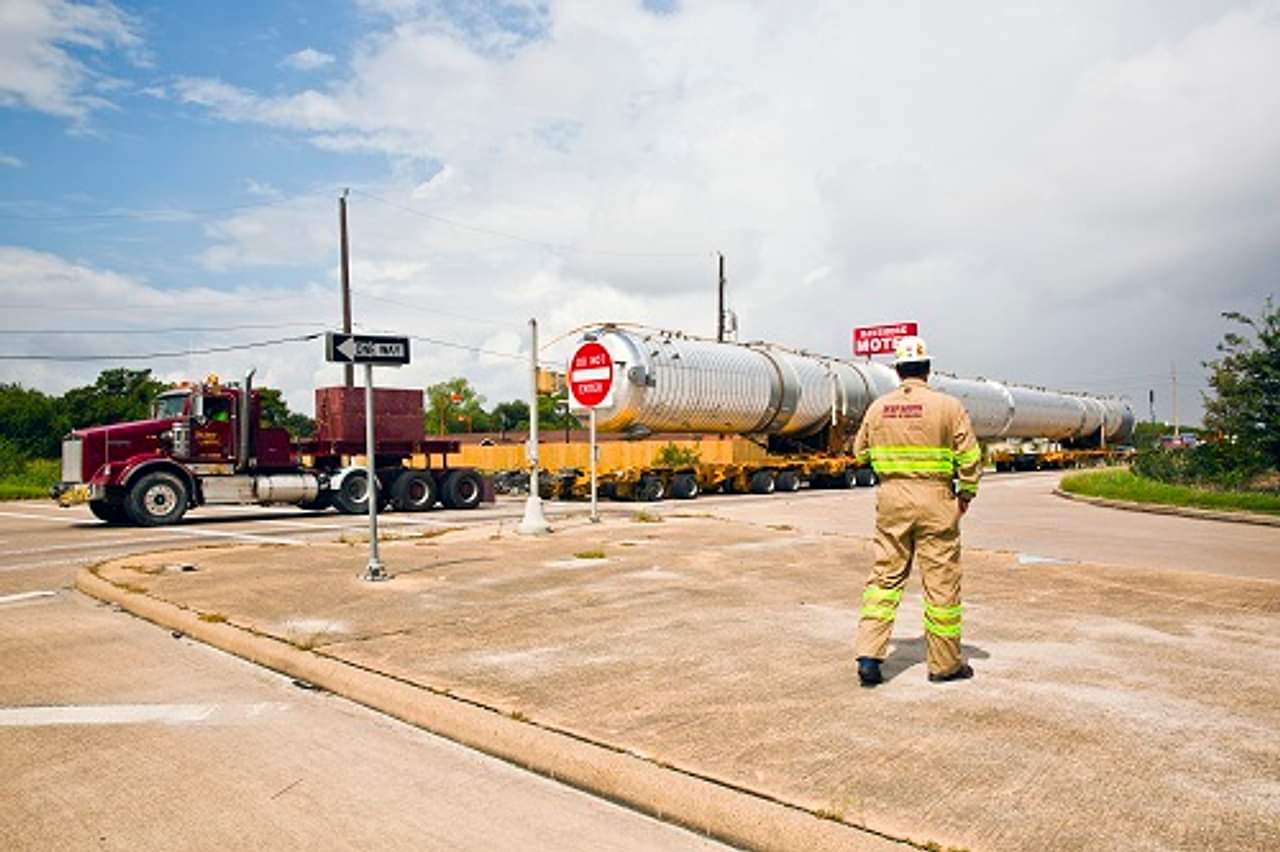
x=916, y=432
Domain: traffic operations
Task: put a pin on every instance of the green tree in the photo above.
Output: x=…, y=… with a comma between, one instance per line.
x=118, y=394
x=454, y=406
x=1245, y=380
x=275, y=412
x=31, y=423
x=509, y=416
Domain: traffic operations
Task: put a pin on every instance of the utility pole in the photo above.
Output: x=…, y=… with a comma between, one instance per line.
x=720, y=312
x=534, y=521
x=348, y=370
x=1151, y=401
x=1176, y=430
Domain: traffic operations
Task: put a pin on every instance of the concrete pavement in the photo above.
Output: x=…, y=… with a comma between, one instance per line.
x=1115, y=706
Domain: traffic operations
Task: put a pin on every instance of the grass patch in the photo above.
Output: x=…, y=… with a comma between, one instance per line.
x=643, y=517
x=31, y=480
x=1125, y=485
x=589, y=554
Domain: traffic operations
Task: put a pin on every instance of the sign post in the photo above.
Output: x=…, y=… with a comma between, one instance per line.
x=881, y=339
x=369, y=350
x=591, y=385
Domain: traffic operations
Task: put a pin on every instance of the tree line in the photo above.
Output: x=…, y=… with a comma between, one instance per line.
x=33, y=423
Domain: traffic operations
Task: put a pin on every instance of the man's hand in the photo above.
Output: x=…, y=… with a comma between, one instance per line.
x=964, y=504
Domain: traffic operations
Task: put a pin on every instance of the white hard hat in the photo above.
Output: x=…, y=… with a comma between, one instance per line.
x=910, y=350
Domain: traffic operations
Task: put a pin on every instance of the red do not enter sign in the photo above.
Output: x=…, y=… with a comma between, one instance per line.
x=590, y=374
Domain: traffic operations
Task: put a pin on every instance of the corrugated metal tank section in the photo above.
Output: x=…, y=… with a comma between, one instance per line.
x=666, y=382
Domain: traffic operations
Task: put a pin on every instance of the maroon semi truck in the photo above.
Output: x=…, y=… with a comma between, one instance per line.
x=205, y=444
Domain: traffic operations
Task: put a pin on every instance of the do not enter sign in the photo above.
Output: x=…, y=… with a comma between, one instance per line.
x=590, y=375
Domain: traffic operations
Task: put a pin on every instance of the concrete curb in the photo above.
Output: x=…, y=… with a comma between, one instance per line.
x=1182, y=511
x=719, y=810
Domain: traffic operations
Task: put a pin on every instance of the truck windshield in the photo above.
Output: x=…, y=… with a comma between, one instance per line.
x=169, y=405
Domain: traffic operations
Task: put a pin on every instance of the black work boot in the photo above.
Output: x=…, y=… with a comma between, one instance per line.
x=963, y=673
x=869, y=671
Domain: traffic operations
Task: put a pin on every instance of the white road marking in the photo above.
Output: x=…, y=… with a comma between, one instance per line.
x=32, y=517
x=26, y=596
x=1033, y=559
x=179, y=531
x=91, y=545
x=134, y=714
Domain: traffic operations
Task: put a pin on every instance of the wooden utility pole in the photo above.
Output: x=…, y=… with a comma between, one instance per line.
x=348, y=370
x=1176, y=430
x=720, y=312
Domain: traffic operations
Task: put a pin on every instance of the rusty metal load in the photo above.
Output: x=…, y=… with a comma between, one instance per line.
x=670, y=382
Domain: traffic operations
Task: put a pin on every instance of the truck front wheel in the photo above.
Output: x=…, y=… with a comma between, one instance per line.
x=105, y=510
x=463, y=490
x=156, y=499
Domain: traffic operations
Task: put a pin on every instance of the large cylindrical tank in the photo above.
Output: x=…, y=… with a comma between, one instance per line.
x=667, y=382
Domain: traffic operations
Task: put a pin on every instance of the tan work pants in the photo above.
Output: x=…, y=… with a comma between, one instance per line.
x=916, y=521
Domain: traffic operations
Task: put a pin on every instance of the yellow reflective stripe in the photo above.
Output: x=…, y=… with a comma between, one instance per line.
x=885, y=466
x=883, y=613
x=949, y=631
x=969, y=489
x=969, y=456
x=934, y=615
x=876, y=593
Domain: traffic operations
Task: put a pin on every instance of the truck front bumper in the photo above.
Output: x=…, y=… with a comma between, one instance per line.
x=75, y=493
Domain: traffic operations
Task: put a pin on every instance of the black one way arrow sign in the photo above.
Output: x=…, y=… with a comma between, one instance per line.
x=365, y=349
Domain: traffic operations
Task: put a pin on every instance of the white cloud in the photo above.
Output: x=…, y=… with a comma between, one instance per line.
x=307, y=59
x=11, y=161
x=38, y=69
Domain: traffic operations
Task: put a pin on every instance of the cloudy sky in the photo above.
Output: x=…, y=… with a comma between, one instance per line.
x=1060, y=193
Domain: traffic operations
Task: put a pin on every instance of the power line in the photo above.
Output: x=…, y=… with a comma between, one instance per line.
x=213, y=303
x=173, y=330
x=507, y=235
x=208, y=350
x=156, y=215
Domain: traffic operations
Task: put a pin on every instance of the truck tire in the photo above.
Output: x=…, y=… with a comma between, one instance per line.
x=864, y=477
x=788, y=480
x=414, y=491
x=351, y=496
x=462, y=489
x=156, y=499
x=763, y=482
x=684, y=486
x=105, y=510
x=322, y=501
x=650, y=489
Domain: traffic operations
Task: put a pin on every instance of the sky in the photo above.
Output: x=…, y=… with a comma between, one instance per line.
x=1064, y=194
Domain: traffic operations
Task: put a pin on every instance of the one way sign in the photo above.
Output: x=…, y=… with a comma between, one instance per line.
x=366, y=349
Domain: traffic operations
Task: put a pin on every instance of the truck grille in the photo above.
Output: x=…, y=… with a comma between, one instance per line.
x=72, y=454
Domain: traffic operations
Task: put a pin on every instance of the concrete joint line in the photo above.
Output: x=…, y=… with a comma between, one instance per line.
x=1181, y=511
x=730, y=814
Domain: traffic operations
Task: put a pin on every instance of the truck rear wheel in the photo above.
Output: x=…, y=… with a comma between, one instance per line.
x=463, y=489
x=788, y=480
x=864, y=477
x=413, y=491
x=684, y=486
x=352, y=494
x=650, y=489
x=763, y=482
x=156, y=499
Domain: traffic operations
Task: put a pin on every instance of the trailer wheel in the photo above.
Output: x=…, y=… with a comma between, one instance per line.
x=105, y=510
x=684, y=486
x=156, y=499
x=864, y=477
x=650, y=489
x=763, y=482
x=463, y=489
x=351, y=497
x=413, y=491
x=788, y=480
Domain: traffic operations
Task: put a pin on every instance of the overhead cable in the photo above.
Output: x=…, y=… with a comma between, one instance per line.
x=172, y=330
x=144, y=356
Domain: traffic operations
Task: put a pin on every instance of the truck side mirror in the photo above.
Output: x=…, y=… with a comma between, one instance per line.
x=197, y=409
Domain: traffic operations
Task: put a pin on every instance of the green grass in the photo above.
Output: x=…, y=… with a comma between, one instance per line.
x=1124, y=485
x=32, y=480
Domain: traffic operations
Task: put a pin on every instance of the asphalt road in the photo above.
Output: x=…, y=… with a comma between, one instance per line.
x=116, y=735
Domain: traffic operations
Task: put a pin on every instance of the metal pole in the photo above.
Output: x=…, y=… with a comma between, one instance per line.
x=595, y=509
x=348, y=370
x=534, y=521
x=720, y=312
x=375, y=570
x=1176, y=430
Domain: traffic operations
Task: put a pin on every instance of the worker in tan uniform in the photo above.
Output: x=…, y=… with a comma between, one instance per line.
x=921, y=445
